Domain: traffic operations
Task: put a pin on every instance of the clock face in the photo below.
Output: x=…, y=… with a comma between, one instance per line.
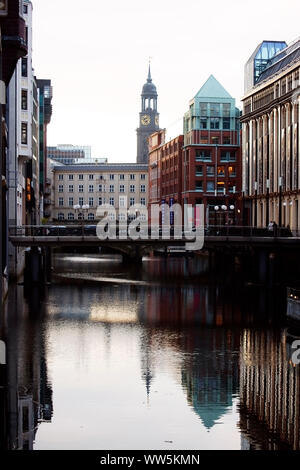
x=157, y=120
x=145, y=120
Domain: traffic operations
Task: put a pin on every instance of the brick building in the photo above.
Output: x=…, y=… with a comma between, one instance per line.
x=211, y=170
x=203, y=166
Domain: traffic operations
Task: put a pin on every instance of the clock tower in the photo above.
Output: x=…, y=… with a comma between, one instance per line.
x=149, y=119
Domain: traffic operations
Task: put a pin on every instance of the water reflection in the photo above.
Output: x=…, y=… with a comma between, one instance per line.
x=28, y=398
x=184, y=364
x=270, y=386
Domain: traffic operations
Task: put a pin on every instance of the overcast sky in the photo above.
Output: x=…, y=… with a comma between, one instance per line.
x=96, y=54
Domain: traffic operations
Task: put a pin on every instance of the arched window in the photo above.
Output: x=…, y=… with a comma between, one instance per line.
x=80, y=216
x=91, y=216
x=71, y=216
x=61, y=216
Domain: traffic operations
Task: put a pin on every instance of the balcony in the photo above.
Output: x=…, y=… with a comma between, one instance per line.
x=47, y=202
x=48, y=181
x=47, y=191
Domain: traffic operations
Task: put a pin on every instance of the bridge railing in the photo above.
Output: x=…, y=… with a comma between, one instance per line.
x=90, y=229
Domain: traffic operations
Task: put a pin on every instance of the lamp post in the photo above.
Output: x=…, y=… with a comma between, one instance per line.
x=280, y=197
x=255, y=209
x=268, y=195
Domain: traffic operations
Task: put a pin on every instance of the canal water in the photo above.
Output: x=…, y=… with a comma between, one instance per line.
x=153, y=356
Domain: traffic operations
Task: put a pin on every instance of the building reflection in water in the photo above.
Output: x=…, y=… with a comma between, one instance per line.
x=214, y=341
x=269, y=390
x=28, y=393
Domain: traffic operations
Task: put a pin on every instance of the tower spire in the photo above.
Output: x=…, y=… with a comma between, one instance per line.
x=149, y=79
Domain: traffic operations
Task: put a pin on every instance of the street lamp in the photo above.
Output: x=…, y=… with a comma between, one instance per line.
x=255, y=212
x=267, y=211
x=280, y=197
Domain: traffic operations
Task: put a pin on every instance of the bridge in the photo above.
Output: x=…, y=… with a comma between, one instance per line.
x=269, y=256
x=214, y=237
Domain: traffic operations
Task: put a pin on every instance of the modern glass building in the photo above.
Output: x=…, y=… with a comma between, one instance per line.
x=270, y=133
x=259, y=60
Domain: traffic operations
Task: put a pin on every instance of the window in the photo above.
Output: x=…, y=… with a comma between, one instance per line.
x=199, y=170
x=24, y=100
x=25, y=9
x=143, y=188
x=221, y=170
x=111, y=177
x=80, y=216
x=215, y=140
x=91, y=216
x=71, y=177
x=71, y=188
x=143, y=177
x=214, y=109
x=226, y=123
x=121, y=177
x=203, y=123
x=91, y=177
x=91, y=201
x=71, y=201
x=231, y=171
x=143, y=201
x=80, y=201
x=71, y=216
x=226, y=109
x=60, y=177
x=227, y=156
x=60, y=188
x=214, y=123
x=80, y=177
x=91, y=188
x=210, y=170
x=112, y=201
x=24, y=67
x=100, y=201
x=111, y=188
x=221, y=187
x=210, y=186
x=24, y=133
x=132, y=188
x=131, y=201
x=100, y=188
x=122, y=188
x=203, y=109
x=199, y=186
x=61, y=216
x=203, y=155
x=132, y=177
x=122, y=217
x=80, y=188
x=122, y=201
x=60, y=201
x=226, y=140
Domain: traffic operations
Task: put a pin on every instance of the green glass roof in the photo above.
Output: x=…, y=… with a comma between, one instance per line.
x=212, y=89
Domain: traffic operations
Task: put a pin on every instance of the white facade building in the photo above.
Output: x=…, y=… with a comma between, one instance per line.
x=23, y=146
x=80, y=189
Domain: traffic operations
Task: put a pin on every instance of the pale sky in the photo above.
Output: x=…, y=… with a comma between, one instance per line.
x=96, y=54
